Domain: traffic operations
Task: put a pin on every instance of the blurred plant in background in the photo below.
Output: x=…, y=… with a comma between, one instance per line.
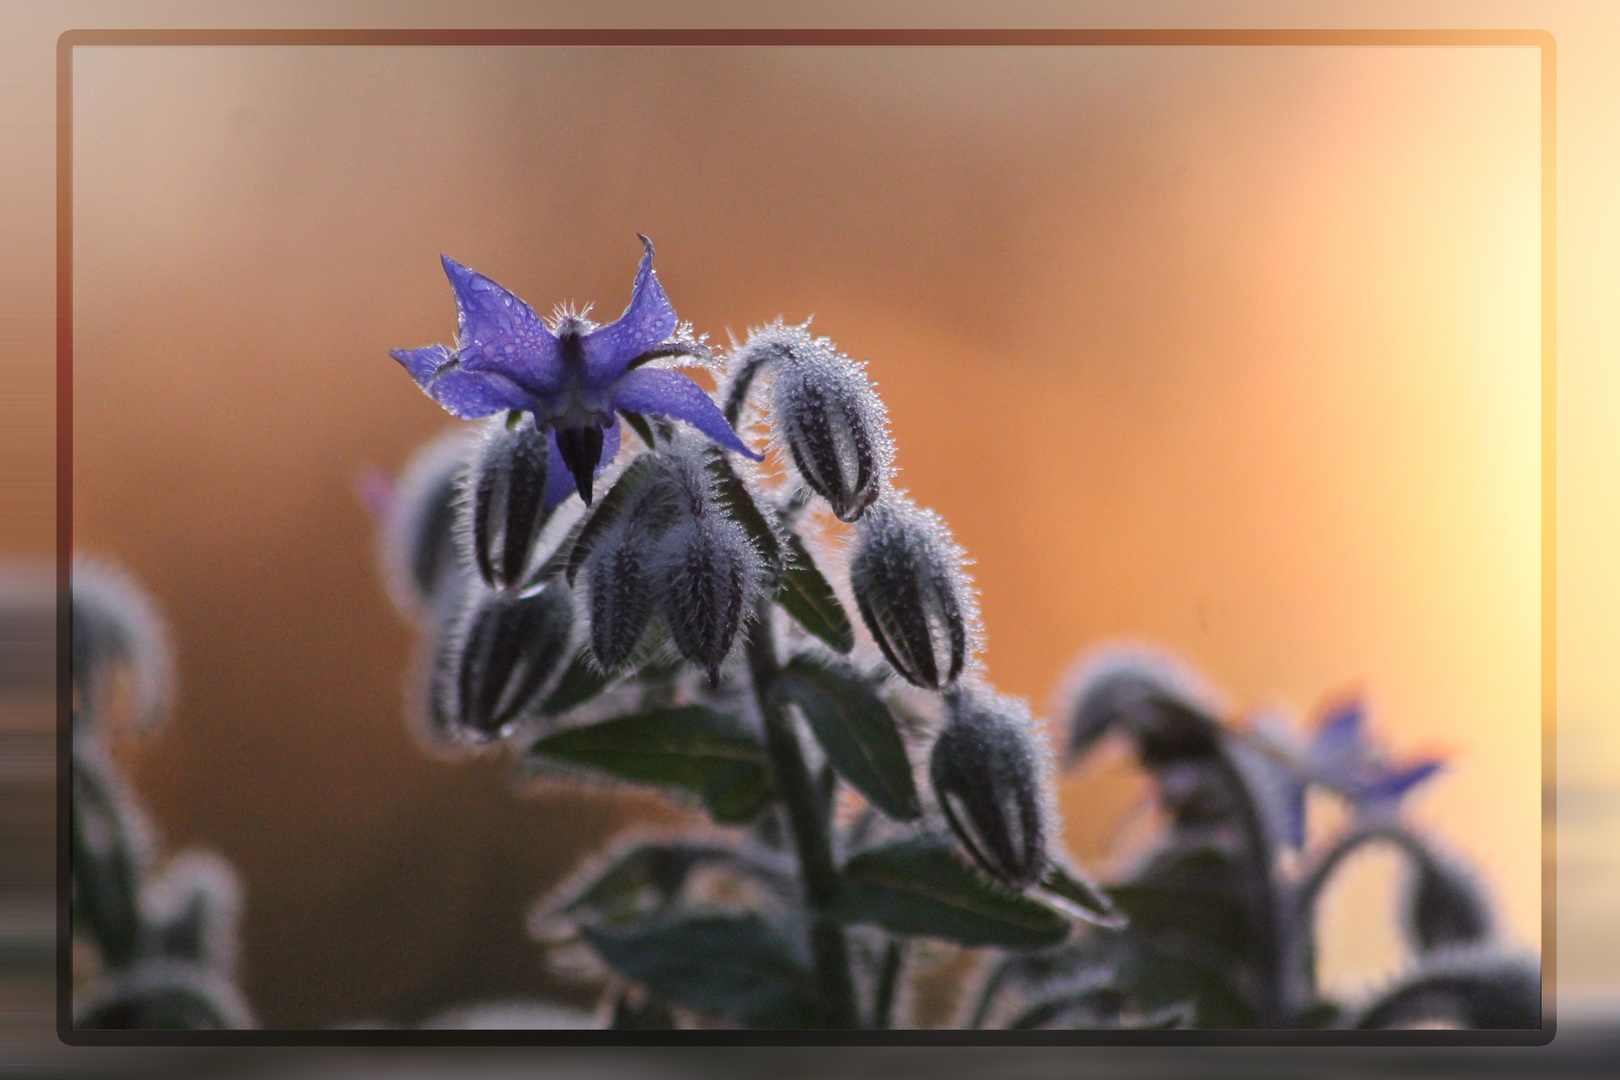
x=154, y=945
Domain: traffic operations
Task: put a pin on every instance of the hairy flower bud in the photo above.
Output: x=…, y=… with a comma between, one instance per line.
x=619, y=574
x=1445, y=906
x=115, y=627
x=825, y=413
x=912, y=592
x=508, y=486
x=1148, y=697
x=706, y=573
x=416, y=515
x=988, y=778
x=505, y=648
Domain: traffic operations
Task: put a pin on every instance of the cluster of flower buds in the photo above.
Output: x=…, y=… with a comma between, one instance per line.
x=989, y=775
x=913, y=593
x=824, y=413
x=667, y=546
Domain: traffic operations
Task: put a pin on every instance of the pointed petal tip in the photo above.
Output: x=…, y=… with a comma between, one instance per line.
x=645, y=243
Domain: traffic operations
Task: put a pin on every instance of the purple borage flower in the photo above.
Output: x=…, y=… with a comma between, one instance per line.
x=573, y=376
x=1340, y=757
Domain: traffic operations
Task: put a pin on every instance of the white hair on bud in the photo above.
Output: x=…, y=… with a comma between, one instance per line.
x=827, y=419
x=914, y=593
x=421, y=535
x=117, y=626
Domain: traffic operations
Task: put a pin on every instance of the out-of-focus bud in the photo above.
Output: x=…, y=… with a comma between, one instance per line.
x=1145, y=695
x=416, y=517
x=707, y=573
x=988, y=776
x=1445, y=906
x=825, y=413
x=508, y=505
x=504, y=650
x=115, y=626
x=912, y=592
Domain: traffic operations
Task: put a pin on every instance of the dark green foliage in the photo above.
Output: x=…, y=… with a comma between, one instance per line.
x=922, y=887
x=856, y=729
x=172, y=1007
x=1081, y=896
x=1473, y=989
x=692, y=747
x=106, y=864
x=739, y=967
x=807, y=596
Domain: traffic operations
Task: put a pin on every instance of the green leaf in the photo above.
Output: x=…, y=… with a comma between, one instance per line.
x=687, y=746
x=740, y=507
x=922, y=887
x=1081, y=897
x=106, y=877
x=583, y=680
x=806, y=595
x=618, y=499
x=634, y=884
x=857, y=731
x=735, y=966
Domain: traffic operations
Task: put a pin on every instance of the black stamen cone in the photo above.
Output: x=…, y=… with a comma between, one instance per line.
x=581, y=452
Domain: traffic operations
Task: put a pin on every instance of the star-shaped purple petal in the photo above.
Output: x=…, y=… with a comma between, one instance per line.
x=1342, y=757
x=668, y=393
x=646, y=323
x=465, y=394
x=500, y=333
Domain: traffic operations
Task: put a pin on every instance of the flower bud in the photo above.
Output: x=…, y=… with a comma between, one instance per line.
x=417, y=519
x=114, y=627
x=504, y=650
x=988, y=778
x=508, y=485
x=707, y=572
x=1148, y=697
x=825, y=413
x=916, y=600
x=1445, y=906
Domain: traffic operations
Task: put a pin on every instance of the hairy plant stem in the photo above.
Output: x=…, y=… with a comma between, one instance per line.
x=1274, y=945
x=809, y=826
x=894, y=957
x=1309, y=890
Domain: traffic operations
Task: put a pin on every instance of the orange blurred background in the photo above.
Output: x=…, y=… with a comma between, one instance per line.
x=1234, y=351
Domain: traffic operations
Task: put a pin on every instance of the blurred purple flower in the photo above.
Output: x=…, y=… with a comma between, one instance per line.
x=572, y=376
x=1340, y=757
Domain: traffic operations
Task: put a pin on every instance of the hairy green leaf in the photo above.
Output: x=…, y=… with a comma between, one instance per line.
x=735, y=966
x=688, y=746
x=857, y=731
x=922, y=887
x=1080, y=896
x=807, y=596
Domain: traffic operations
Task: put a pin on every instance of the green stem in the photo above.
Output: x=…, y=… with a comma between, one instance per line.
x=894, y=956
x=808, y=825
